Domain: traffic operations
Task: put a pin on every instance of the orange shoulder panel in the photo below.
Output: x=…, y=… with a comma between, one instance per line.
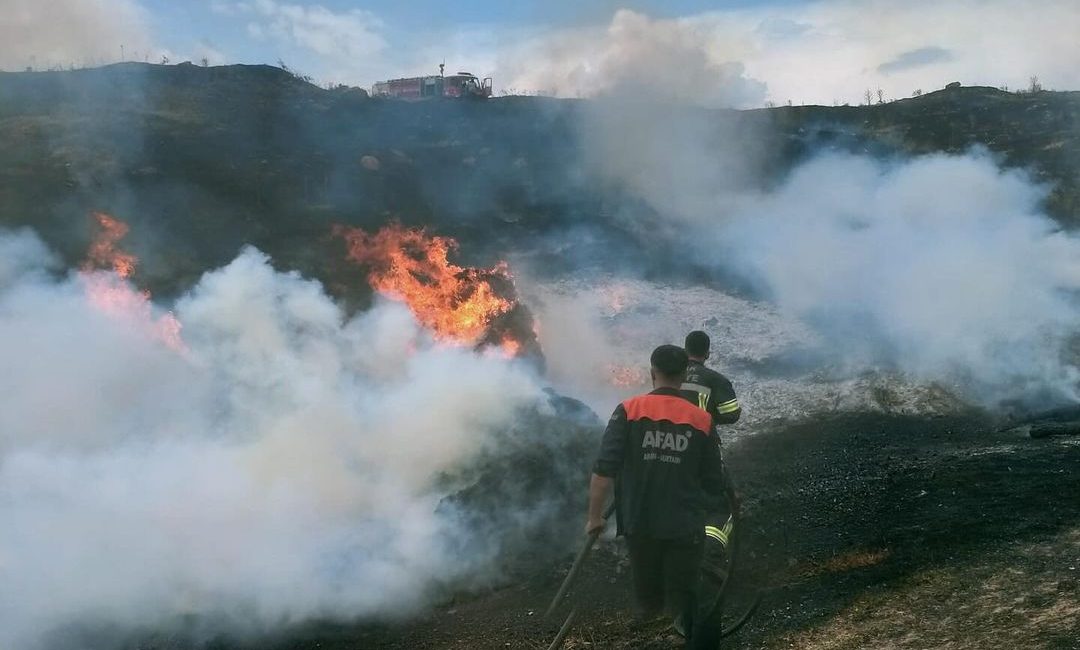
x=667, y=407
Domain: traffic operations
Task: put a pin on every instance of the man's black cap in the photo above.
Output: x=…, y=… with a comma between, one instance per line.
x=671, y=360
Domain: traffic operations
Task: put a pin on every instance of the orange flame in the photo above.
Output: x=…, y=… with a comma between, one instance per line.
x=457, y=304
x=509, y=346
x=103, y=252
x=105, y=275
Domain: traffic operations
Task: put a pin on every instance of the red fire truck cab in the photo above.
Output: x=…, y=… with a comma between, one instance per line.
x=462, y=84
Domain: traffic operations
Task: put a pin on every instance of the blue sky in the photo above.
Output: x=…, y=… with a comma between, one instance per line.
x=180, y=24
x=739, y=53
x=421, y=14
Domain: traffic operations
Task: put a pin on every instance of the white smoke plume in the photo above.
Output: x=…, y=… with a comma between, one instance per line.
x=286, y=466
x=942, y=267
x=635, y=56
x=578, y=340
x=62, y=33
x=819, y=52
x=22, y=254
x=679, y=160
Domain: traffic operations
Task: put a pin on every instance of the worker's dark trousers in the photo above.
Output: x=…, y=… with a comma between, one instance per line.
x=666, y=575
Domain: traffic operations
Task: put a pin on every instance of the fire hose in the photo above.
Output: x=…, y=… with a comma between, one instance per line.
x=590, y=542
x=722, y=593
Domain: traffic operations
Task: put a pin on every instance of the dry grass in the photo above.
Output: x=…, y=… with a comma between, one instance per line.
x=841, y=563
x=1025, y=597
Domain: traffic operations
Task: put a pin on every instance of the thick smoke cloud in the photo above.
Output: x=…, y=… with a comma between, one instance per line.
x=678, y=160
x=941, y=266
x=71, y=32
x=288, y=464
x=576, y=334
x=818, y=52
x=635, y=56
x=22, y=254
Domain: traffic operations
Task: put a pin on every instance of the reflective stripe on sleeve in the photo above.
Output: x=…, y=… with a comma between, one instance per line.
x=729, y=406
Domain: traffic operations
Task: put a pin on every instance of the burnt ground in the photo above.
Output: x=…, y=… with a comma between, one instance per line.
x=863, y=531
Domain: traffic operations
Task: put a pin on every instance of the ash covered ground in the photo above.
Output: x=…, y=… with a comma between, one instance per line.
x=780, y=371
x=886, y=285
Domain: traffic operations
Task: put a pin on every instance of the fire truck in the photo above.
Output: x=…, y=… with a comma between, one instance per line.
x=460, y=85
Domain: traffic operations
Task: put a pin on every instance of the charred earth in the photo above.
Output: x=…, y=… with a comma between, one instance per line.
x=864, y=531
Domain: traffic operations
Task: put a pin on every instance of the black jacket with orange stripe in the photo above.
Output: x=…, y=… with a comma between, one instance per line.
x=663, y=453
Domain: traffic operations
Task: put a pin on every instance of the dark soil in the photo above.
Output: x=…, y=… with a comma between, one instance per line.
x=862, y=531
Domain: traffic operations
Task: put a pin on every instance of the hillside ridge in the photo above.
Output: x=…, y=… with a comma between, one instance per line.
x=202, y=161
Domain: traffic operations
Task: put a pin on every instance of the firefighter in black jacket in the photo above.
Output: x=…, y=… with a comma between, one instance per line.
x=713, y=392
x=705, y=387
x=662, y=451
